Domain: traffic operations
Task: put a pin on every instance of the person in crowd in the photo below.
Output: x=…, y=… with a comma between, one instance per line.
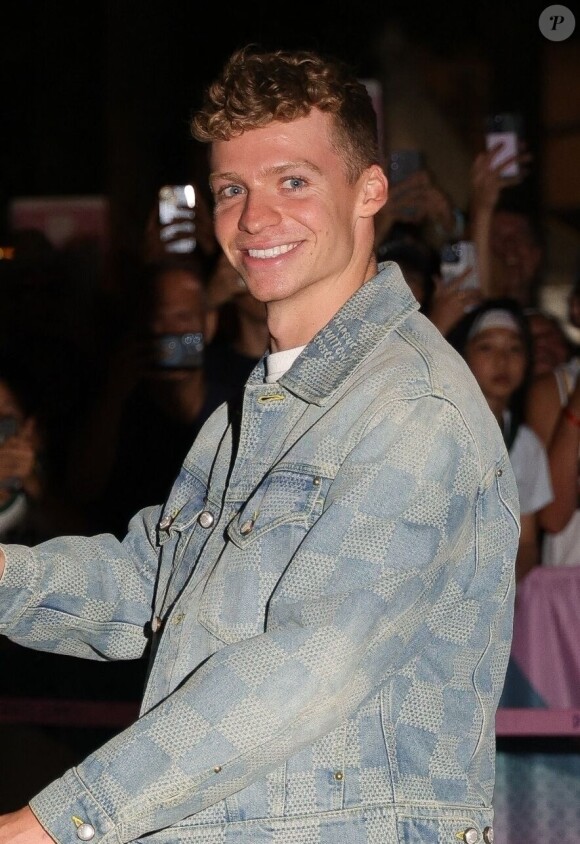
x=517, y=251
x=495, y=341
x=553, y=411
x=418, y=201
x=328, y=588
x=507, y=234
x=444, y=302
x=21, y=483
x=40, y=326
x=551, y=346
x=32, y=504
x=239, y=330
x=419, y=264
x=153, y=400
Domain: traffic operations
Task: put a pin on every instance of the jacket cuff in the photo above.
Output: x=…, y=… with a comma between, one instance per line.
x=70, y=814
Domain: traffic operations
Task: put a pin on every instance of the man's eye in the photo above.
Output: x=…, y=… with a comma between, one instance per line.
x=294, y=183
x=231, y=190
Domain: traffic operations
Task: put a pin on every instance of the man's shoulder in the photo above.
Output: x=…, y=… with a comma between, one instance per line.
x=422, y=361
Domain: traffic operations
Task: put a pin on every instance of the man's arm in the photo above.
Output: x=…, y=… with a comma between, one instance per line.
x=88, y=597
x=371, y=587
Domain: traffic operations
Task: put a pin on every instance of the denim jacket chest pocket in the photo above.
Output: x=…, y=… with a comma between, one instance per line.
x=263, y=536
x=176, y=527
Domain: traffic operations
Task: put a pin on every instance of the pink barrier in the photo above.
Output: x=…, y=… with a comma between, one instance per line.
x=537, y=722
x=546, y=634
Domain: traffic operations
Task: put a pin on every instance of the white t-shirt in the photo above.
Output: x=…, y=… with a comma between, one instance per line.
x=277, y=363
x=529, y=461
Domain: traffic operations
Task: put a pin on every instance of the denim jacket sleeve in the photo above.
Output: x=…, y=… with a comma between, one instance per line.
x=85, y=597
x=415, y=545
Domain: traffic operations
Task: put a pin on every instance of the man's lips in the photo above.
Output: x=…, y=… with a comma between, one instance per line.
x=271, y=251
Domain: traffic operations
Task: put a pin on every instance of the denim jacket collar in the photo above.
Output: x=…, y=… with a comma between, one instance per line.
x=378, y=307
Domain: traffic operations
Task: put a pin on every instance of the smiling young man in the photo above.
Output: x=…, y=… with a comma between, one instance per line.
x=329, y=585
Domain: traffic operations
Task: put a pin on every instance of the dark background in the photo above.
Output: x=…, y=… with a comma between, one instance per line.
x=96, y=96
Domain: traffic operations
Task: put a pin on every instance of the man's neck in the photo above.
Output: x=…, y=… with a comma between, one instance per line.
x=295, y=321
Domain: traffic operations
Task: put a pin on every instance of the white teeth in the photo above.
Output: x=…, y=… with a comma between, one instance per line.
x=273, y=252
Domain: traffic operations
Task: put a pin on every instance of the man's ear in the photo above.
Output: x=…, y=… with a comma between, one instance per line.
x=374, y=190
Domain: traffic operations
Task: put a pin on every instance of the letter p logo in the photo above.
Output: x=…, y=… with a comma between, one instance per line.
x=557, y=23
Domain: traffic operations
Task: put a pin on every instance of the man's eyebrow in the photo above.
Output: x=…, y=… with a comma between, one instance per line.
x=231, y=177
x=279, y=169
x=300, y=163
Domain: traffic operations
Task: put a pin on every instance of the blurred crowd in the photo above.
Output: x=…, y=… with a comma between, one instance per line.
x=103, y=389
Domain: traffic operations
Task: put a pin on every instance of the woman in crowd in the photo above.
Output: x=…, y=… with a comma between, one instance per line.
x=494, y=340
x=553, y=411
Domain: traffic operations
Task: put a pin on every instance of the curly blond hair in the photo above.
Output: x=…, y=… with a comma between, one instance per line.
x=257, y=87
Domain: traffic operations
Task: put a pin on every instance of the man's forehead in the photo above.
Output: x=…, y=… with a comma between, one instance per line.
x=297, y=137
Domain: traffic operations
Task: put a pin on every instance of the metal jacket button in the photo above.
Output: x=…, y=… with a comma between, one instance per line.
x=85, y=832
x=156, y=624
x=247, y=527
x=471, y=835
x=165, y=522
x=488, y=835
x=206, y=519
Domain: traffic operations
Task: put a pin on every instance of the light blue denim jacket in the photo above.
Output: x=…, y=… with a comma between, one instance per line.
x=331, y=584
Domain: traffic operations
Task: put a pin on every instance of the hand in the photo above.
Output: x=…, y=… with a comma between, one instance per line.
x=22, y=827
x=487, y=181
x=155, y=249
x=416, y=199
x=450, y=302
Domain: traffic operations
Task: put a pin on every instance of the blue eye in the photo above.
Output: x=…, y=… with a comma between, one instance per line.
x=294, y=183
x=231, y=190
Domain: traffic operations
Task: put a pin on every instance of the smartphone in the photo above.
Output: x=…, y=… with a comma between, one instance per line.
x=455, y=259
x=177, y=218
x=403, y=163
x=504, y=129
x=179, y=351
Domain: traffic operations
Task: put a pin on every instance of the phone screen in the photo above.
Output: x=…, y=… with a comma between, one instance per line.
x=456, y=258
x=176, y=217
x=403, y=163
x=504, y=129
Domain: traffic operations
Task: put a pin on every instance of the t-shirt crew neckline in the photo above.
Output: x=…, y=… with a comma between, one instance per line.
x=278, y=363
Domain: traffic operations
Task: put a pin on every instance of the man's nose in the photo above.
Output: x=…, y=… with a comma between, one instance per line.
x=259, y=213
